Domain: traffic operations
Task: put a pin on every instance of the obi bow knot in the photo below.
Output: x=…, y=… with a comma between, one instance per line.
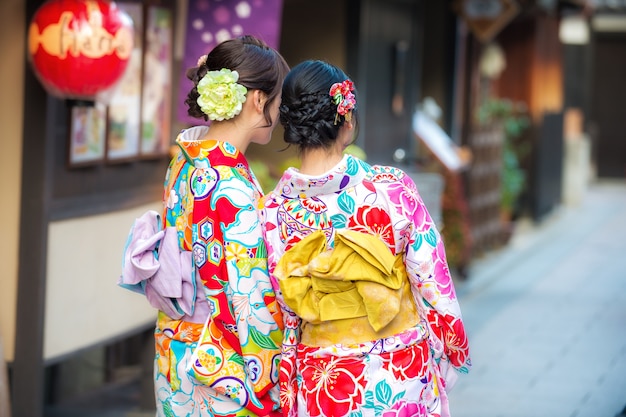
x=358, y=277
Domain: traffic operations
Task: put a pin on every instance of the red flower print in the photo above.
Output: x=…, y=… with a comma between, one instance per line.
x=384, y=177
x=291, y=241
x=288, y=386
x=457, y=345
x=334, y=385
x=408, y=363
x=451, y=331
x=373, y=220
x=434, y=323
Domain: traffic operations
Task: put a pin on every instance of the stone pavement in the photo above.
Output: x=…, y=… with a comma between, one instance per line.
x=546, y=316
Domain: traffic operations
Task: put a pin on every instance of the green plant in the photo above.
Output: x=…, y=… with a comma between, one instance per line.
x=263, y=175
x=513, y=117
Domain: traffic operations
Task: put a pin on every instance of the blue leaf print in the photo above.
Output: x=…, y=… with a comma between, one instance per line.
x=338, y=221
x=418, y=242
x=431, y=237
x=356, y=414
x=369, y=399
x=365, y=166
x=200, y=187
x=398, y=397
x=346, y=203
x=383, y=392
x=352, y=167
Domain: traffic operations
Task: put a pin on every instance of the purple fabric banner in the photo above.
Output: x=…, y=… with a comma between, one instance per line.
x=210, y=22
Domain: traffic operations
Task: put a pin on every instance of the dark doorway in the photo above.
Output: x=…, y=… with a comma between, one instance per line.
x=608, y=113
x=387, y=68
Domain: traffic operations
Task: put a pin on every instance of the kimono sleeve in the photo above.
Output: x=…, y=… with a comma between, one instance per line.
x=427, y=268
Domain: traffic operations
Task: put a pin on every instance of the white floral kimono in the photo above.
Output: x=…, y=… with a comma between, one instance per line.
x=348, y=350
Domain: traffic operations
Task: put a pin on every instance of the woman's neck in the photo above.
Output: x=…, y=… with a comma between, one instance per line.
x=226, y=131
x=319, y=161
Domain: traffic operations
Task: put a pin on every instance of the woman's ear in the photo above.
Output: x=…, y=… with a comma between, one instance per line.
x=347, y=132
x=348, y=125
x=258, y=100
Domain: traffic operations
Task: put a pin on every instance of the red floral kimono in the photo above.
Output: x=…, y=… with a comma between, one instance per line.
x=218, y=331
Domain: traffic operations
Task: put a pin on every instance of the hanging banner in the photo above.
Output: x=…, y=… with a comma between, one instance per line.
x=210, y=22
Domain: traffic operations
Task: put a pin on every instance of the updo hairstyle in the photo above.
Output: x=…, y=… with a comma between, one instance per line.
x=260, y=67
x=307, y=111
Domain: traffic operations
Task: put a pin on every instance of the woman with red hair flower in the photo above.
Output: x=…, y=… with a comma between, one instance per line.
x=372, y=323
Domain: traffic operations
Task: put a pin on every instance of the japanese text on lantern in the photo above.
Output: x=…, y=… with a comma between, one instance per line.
x=80, y=48
x=92, y=41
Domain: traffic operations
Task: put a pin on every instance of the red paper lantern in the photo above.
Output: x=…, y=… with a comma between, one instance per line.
x=79, y=48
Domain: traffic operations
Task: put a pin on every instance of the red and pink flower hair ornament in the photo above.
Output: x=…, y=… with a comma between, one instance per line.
x=343, y=97
x=202, y=60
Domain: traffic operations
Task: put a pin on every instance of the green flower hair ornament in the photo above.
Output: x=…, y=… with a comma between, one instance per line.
x=221, y=96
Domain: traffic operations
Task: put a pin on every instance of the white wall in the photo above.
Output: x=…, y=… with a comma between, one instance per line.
x=84, y=305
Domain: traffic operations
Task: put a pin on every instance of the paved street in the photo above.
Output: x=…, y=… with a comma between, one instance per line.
x=546, y=317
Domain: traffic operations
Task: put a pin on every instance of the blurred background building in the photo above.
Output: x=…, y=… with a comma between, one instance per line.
x=501, y=109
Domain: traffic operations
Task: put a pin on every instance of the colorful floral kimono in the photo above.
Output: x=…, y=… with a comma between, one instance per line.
x=217, y=355
x=372, y=323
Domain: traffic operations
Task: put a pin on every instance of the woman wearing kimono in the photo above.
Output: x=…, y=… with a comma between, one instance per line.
x=202, y=262
x=372, y=323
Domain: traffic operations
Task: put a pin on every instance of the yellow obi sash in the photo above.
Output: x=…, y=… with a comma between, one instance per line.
x=356, y=292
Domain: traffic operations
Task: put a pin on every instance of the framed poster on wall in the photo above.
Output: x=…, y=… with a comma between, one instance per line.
x=124, y=115
x=157, y=82
x=138, y=108
x=87, y=135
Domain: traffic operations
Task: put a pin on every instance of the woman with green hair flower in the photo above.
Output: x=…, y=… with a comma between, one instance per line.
x=202, y=262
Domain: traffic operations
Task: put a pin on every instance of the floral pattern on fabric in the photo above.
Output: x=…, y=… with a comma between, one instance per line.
x=228, y=365
x=336, y=383
x=406, y=374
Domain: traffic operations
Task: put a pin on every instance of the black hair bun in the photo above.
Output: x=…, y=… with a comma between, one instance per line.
x=308, y=121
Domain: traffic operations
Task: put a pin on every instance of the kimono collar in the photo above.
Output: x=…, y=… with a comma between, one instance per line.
x=347, y=173
x=205, y=153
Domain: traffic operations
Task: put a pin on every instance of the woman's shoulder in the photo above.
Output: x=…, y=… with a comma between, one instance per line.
x=202, y=152
x=387, y=174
